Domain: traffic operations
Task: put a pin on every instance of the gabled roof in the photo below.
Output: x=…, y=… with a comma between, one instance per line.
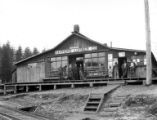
x=73, y=33
x=81, y=36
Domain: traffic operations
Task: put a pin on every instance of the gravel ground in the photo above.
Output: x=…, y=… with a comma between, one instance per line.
x=67, y=104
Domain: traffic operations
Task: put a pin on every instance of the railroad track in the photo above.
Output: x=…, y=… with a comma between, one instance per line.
x=7, y=113
x=7, y=117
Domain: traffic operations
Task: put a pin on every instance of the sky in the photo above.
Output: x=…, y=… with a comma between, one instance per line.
x=45, y=23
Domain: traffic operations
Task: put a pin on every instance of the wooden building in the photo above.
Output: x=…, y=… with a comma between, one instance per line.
x=94, y=59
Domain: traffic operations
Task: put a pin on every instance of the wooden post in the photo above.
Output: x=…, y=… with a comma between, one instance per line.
x=15, y=89
x=91, y=84
x=148, y=45
x=72, y=85
x=27, y=88
x=5, y=90
x=55, y=87
x=40, y=87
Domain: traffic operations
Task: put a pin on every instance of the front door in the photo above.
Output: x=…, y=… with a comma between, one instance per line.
x=76, y=61
x=121, y=60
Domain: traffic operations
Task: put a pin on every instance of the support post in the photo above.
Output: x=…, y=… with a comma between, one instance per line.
x=72, y=85
x=4, y=92
x=91, y=84
x=27, y=88
x=55, y=87
x=40, y=88
x=148, y=46
x=15, y=89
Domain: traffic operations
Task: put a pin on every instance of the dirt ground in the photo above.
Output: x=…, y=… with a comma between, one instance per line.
x=68, y=104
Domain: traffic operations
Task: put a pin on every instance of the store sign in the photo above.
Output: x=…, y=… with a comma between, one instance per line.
x=121, y=54
x=75, y=49
x=110, y=57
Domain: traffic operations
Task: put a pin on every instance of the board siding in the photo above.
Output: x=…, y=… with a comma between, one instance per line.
x=29, y=73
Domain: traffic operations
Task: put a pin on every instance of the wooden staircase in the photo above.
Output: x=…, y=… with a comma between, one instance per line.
x=94, y=102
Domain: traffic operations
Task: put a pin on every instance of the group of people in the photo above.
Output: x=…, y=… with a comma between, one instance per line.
x=125, y=68
x=71, y=72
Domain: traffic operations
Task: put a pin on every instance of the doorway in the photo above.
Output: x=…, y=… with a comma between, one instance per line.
x=121, y=60
x=77, y=61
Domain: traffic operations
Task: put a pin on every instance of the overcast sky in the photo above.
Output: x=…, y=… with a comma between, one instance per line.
x=45, y=23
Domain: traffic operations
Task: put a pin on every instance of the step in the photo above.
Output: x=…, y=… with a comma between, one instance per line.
x=94, y=99
x=91, y=107
x=122, y=97
x=110, y=109
x=96, y=96
x=92, y=103
x=108, y=114
x=114, y=104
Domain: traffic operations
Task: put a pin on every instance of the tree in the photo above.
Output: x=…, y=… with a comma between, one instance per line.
x=27, y=52
x=43, y=50
x=19, y=54
x=35, y=51
x=6, y=63
x=0, y=61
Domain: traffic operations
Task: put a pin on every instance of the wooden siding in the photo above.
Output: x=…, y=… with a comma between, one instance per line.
x=34, y=72
x=75, y=41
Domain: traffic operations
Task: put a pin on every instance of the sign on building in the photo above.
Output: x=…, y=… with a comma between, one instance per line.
x=75, y=49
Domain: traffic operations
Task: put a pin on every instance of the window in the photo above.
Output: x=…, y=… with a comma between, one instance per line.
x=53, y=59
x=58, y=58
x=95, y=64
x=64, y=63
x=101, y=54
x=64, y=58
x=101, y=61
x=110, y=61
x=57, y=62
x=88, y=55
x=88, y=63
x=94, y=54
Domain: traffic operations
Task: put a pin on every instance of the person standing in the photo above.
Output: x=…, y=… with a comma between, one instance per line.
x=60, y=73
x=116, y=71
x=132, y=69
x=124, y=69
x=81, y=73
x=75, y=71
x=70, y=73
x=110, y=72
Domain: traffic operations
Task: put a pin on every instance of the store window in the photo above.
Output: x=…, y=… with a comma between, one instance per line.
x=95, y=64
x=88, y=63
x=57, y=63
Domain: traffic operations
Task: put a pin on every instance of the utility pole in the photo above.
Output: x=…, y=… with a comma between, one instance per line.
x=148, y=45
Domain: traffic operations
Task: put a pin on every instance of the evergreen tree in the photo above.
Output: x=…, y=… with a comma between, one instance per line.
x=27, y=52
x=6, y=63
x=19, y=54
x=0, y=63
x=43, y=50
x=35, y=51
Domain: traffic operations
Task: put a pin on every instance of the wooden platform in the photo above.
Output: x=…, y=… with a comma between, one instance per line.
x=14, y=88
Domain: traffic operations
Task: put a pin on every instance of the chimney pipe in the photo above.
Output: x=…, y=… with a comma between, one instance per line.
x=76, y=28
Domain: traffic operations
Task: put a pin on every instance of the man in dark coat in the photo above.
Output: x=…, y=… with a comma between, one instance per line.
x=124, y=70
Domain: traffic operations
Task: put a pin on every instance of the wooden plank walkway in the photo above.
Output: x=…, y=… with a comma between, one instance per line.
x=15, y=88
x=34, y=87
